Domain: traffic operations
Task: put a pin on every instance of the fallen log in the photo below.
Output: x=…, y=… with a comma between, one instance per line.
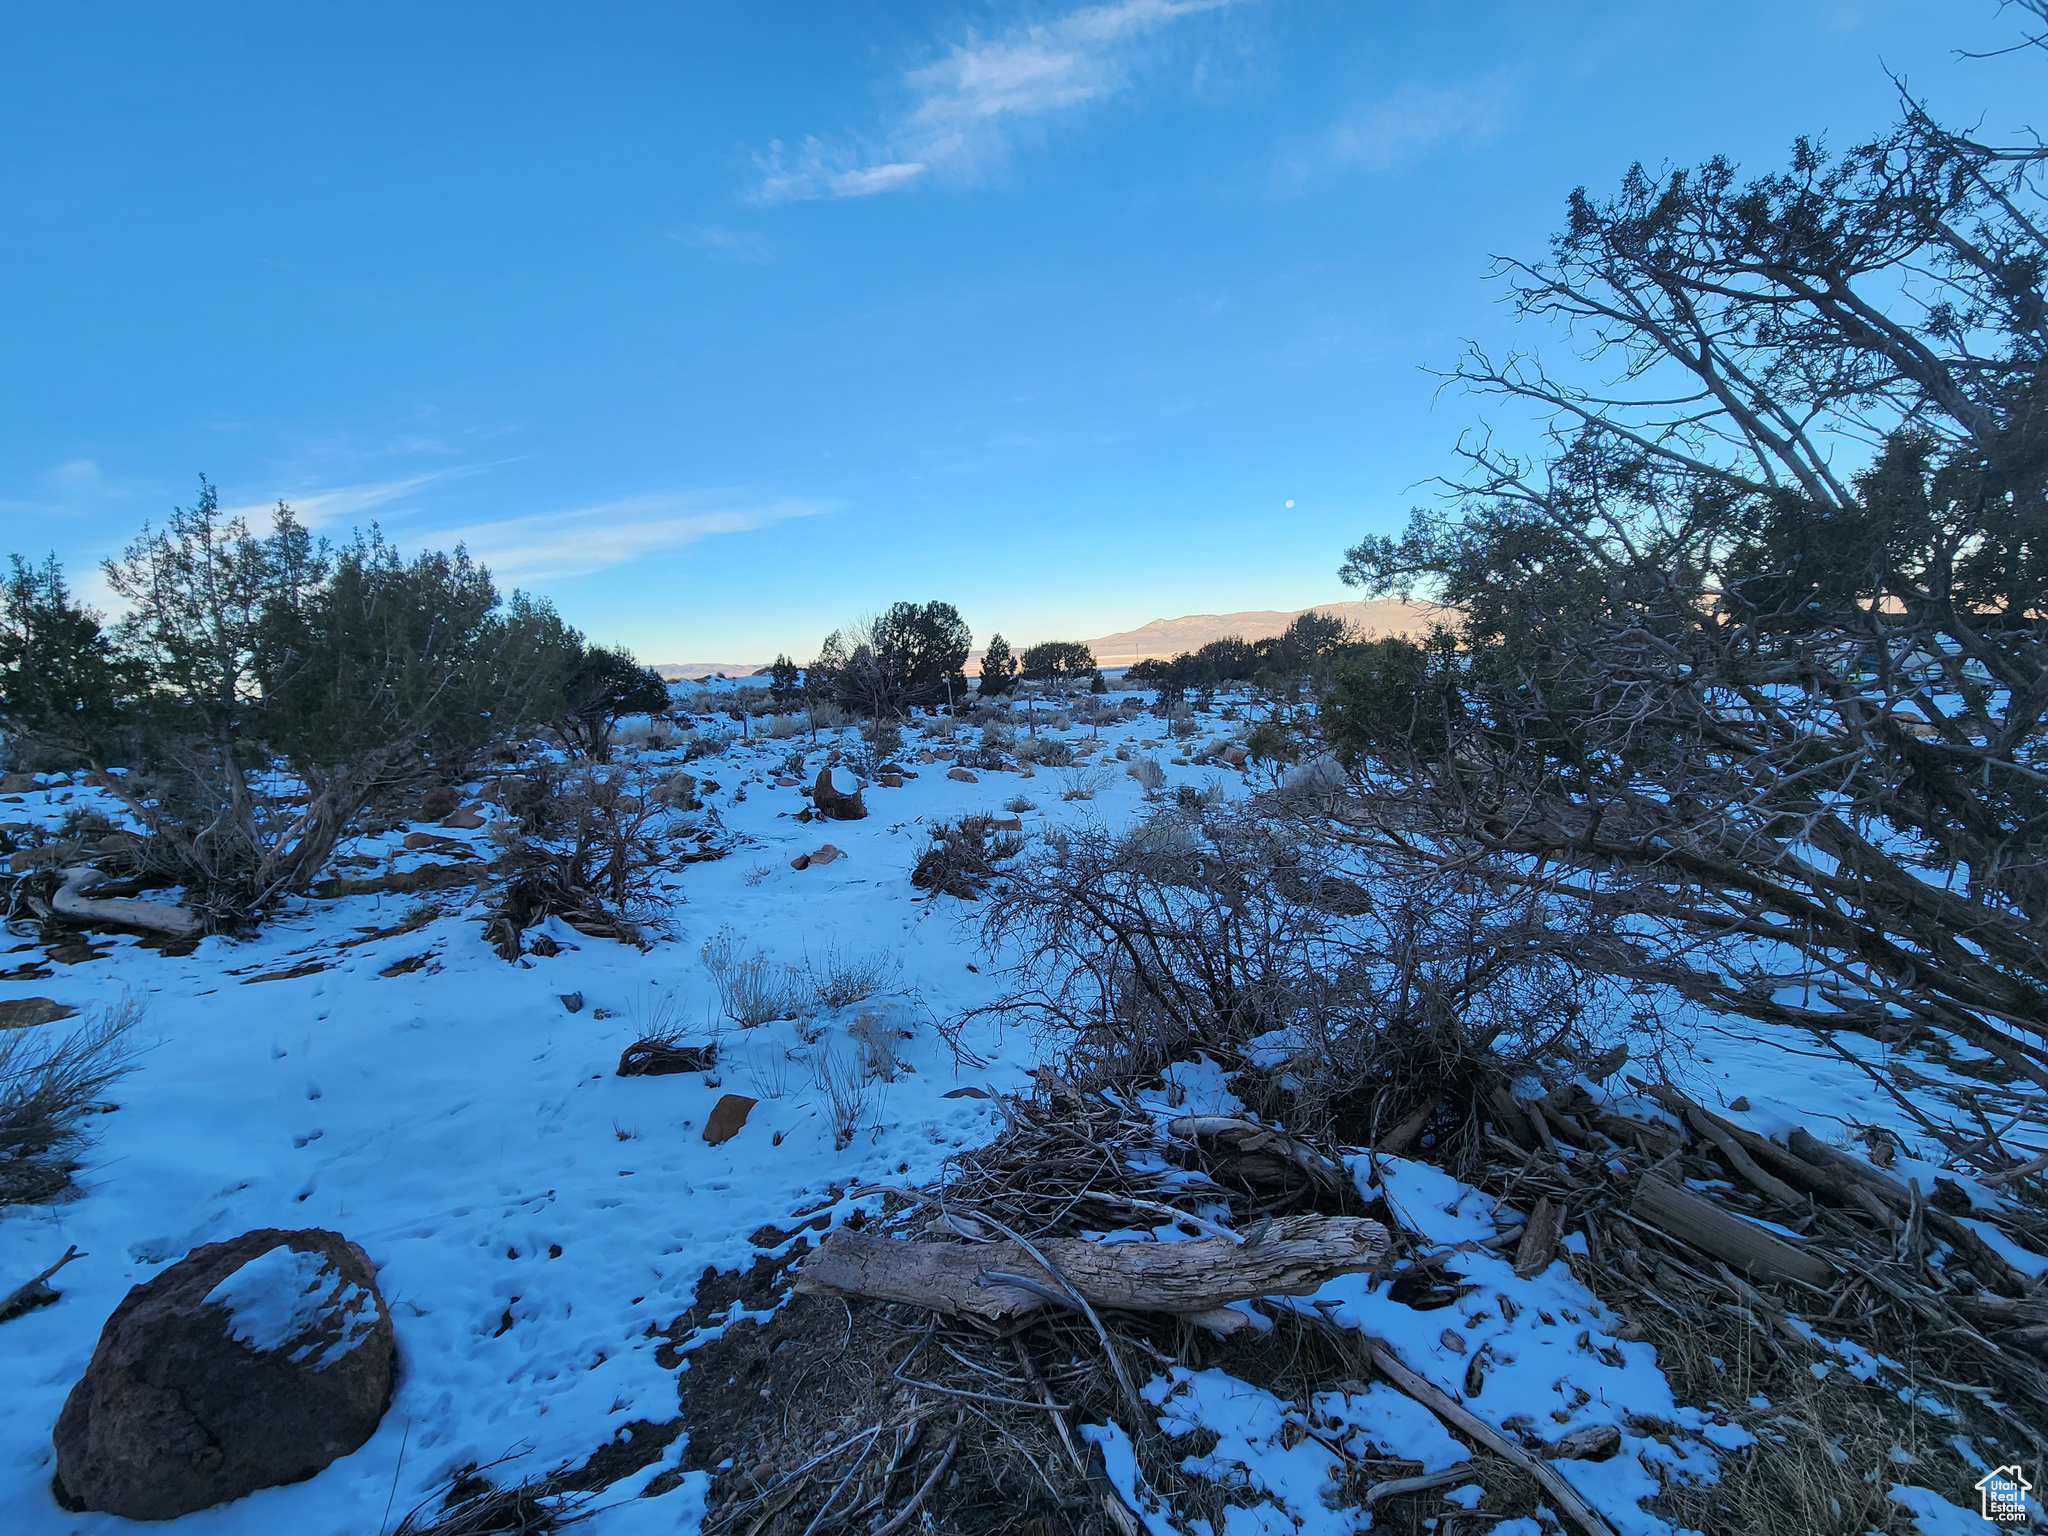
x=1254, y=1143
x=1704, y=1225
x=123, y=912
x=993, y=1281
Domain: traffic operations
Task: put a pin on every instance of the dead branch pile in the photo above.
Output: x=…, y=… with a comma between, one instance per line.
x=1759, y=1265
x=944, y=1359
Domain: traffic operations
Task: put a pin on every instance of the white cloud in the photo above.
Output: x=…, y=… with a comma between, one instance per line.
x=586, y=539
x=1413, y=121
x=323, y=509
x=734, y=244
x=965, y=107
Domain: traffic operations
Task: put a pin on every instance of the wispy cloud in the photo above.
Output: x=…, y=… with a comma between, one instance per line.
x=586, y=539
x=74, y=488
x=732, y=244
x=965, y=107
x=342, y=503
x=1409, y=124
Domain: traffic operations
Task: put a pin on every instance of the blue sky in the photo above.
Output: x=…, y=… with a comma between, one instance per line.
x=722, y=325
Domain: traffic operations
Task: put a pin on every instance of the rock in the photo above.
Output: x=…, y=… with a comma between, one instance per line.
x=438, y=802
x=964, y=775
x=245, y=1365
x=826, y=854
x=784, y=781
x=1006, y=823
x=18, y=783
x=727, y=1116
x=801, y=861
x=890, y=780
x=829, y=799
x=1596, y=1442
x=438, y=844
x=1234, y=755
x=926, y=755
x=464, y=820
x=573, y=1001
x=26, y=1012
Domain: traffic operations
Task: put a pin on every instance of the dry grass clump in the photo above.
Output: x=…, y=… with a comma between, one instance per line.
x=49, y=1083
x=1150, y=776
x=752, y=989
x=842, y=978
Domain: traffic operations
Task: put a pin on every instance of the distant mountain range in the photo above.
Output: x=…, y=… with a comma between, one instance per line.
x=1165, y=638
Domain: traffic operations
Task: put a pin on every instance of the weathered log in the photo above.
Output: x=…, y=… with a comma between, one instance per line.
x=1813, y=1150
x=123, y=912
x=1691, y=1219
x=1292, y=1258
x=1734, y=1145
x=1539, y=1240
x=1247, y=1138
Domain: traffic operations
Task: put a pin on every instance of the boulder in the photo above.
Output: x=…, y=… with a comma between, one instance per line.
x=27, y=1012
x=964, y=775
x=438, y=802
x=18, y=783
x=466, y=819
x=836, y=794
x=727, y=1116
x=246, y=1364
x=1234, y=755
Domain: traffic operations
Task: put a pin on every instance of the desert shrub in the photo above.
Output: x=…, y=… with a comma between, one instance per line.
x=963, y=858
x=591, y=857
x=842, y=977
x=783, y=727
x=876, y=743
x=49, y=1083
x=1150, y=776
x=752, y=989
x=1357, y=997
x=1083, y=783
x=844, y=1082
x=1017, y=805
x=1053, y=752
x=879, y=1037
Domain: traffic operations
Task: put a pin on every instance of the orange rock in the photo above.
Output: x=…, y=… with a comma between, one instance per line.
x=727, y=1116
x=964, y=775
x=464, y=820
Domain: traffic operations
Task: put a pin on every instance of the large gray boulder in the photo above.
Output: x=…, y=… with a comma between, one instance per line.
x=244, y=1365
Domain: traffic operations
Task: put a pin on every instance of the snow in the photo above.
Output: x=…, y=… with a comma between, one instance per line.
x=283, y=1294
x=534, y=1218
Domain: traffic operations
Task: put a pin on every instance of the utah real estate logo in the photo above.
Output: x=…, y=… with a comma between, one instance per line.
x=2005, y=1492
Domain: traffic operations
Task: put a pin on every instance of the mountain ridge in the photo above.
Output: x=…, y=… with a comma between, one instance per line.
x=1163, y=639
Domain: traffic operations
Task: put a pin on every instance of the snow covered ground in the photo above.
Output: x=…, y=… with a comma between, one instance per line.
x=536, y=1219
